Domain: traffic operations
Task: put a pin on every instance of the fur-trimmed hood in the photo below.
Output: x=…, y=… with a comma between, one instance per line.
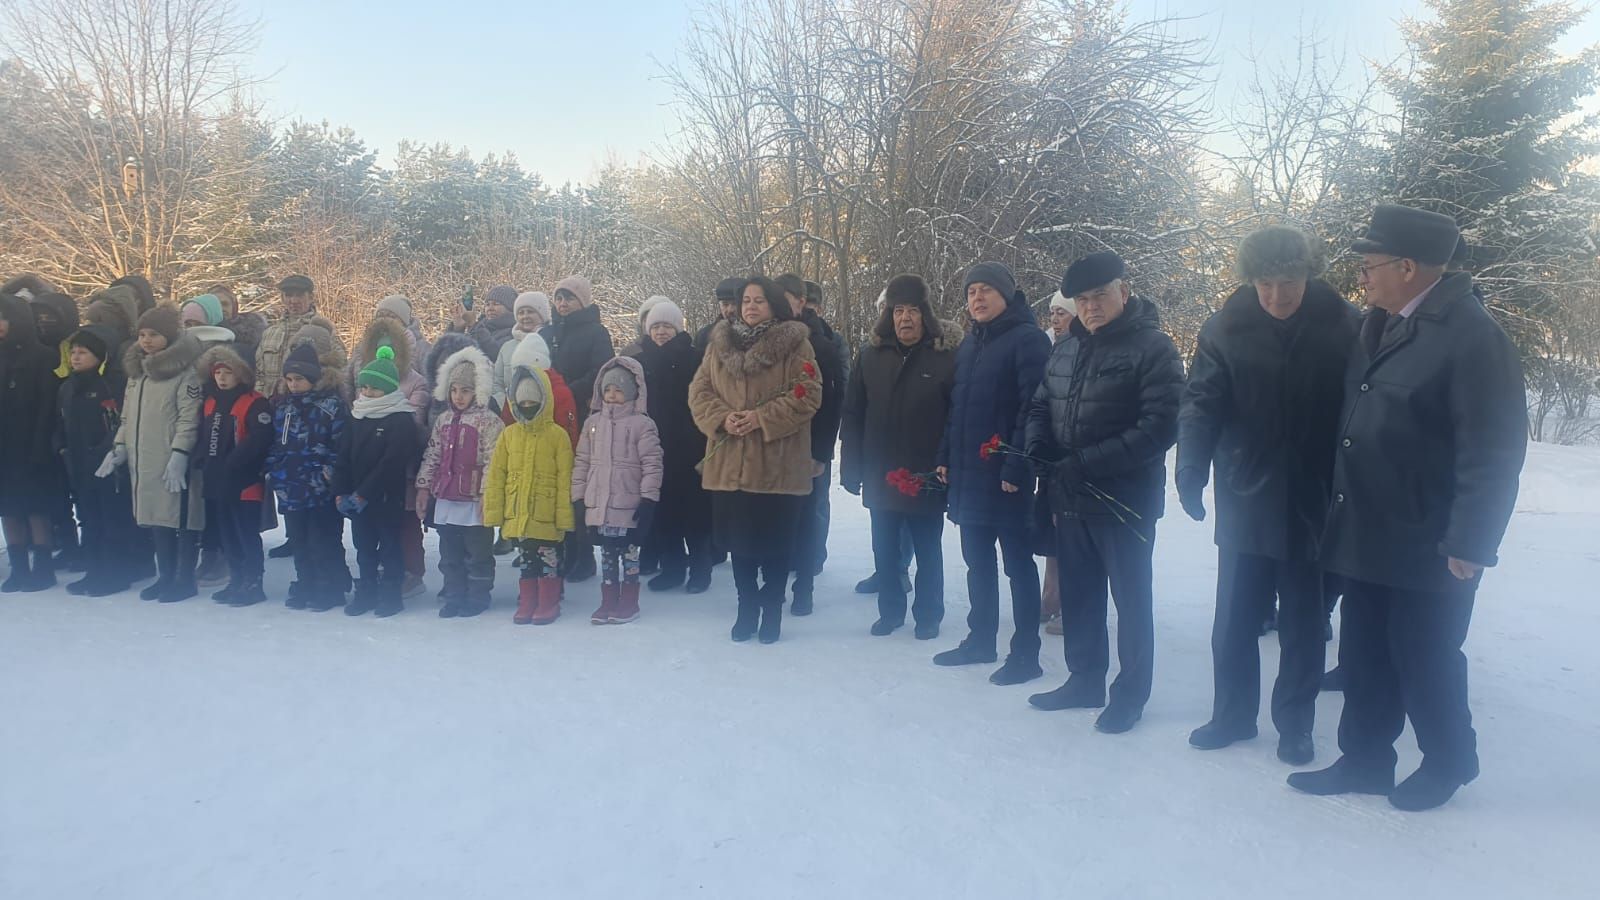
x=445, y=347
x=772, y=348
x=386, y=328
x=944, y=334
x=29, y=287
x=248, y=328
x=226, y=355
x=482, y=375
x=21, y=331
x=166, y=363
x=330, y=353
x=640, y=404
x=115, y=307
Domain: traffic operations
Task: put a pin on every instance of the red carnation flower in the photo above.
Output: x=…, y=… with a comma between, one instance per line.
x=990, y=447
x=800, y=391
x=810, y=370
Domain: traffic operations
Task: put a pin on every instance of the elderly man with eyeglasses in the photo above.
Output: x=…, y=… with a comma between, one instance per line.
x=1432, y=439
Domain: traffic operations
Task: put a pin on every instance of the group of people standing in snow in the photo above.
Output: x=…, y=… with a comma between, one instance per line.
x=1374, y=457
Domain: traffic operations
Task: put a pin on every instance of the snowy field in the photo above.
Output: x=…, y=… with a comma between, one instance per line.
x=197, y=751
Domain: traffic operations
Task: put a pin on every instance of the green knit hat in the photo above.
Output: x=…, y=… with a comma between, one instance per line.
x=381, y=373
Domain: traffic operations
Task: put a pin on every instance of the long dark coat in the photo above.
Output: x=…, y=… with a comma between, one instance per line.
x=1432, y=437
x=668, y=370
x=32, y=481
x=1262, y=406
x=998, y=367
x=834, y=365
x=1108, y=410
x=579, y=346
x=895, y=409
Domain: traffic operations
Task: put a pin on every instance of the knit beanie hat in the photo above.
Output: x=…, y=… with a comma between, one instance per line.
x=665, y=311
x=535, y=300
x=996, y=275
x=503, y=294
x=381, y=373
x=303, y=361
x=91, y=342
x=579, y=287
x=530, y=391
x=464, y=374
x=621, y=379
x=205, y=309
x=396, y=305
x=163, y=320
x=1059, y=300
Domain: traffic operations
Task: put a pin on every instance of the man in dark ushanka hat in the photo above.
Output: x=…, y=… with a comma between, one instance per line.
x=1432, y=440
x=1106, y=413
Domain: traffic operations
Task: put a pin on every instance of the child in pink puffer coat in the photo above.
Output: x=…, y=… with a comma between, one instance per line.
x=616, y=478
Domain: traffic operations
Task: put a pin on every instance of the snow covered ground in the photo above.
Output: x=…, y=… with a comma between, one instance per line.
x=196, y=751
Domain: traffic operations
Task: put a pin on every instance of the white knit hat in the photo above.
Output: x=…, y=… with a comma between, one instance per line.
x=1059, y=301
x=665, y=311
x=535, y=299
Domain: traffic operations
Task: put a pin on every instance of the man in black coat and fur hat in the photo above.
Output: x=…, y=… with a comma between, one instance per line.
x=1262, y=406
x=1432, y=438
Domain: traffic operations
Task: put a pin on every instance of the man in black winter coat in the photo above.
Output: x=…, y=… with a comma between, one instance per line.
x=579, y=346
x=895, y=408
x=812, y=538
x=1105, y=414
x=1432, y=439
x=1262, y=406
x=727, y=297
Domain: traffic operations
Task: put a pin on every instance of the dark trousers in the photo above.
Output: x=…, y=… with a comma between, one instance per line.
x=113, y=547
x=773, y=572
x=317, y=536
x=679, y=546
x=1093, y=554
x=1401, y=651
x=379, y=553
x=983, y=587
x=1246, y=585
x=239, y=529
x=811, y=538
x=466, y=560
x=411, y=544
x=926, y=534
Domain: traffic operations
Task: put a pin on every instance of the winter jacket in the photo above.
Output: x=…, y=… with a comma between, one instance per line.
x=462, y=443
x=248, y=329
x=998, y=367
x=490, y=334
x=618, y=463
x=536, y=355
x=235, y=431
x=274, y=348
x=668, y=370
x=112, y=315
x=306, y=432
x=375, y=460
x=65, y=313
x=503, y=364
x=895, y=408
x=31, y=479
x=89, y=412
x=778, y=378
x=1107, y=412
x=529, y=493
x=160, y=415
x=579, y=346
x=1432, y=436
x=1262, y=406
x=834, y=364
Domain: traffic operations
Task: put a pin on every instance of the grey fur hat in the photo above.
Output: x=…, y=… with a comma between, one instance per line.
x=1278, y=251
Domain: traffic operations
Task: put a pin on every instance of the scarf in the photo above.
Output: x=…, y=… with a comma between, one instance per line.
x=745, y=337
x=378, y=407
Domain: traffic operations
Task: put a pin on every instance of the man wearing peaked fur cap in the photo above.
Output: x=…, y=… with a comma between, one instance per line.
x=1105, y=415
x=1432, y=436
x=1261, y=406
x=895, y=407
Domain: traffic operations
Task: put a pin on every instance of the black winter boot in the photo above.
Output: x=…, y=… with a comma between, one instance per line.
x=166, y=543
x=248, y=594
x=296, y=599
x=1077, y=693
x=44, y=571
x=1344, y=777
x=966, y=654
x=1216, y=735
x=744, y=627
x=365, y=598
x=699, y=580
x=1016, y=671
x=390, y=601
x=771, y=621
x=183, y=587
x=21, y=571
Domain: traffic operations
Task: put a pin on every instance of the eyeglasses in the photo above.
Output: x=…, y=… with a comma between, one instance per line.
x=1364, y=270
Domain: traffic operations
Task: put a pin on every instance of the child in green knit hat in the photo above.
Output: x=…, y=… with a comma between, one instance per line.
x=370, y=483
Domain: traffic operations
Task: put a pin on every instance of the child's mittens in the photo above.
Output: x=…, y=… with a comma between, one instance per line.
x=643, y=518
x=351, y=505
x=176, y=476
x=117, y=457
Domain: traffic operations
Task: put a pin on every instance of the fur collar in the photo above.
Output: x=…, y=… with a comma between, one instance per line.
x=946, y=336
x=166, y=363
x=482, y=374
x=330, y=353
x=773, y=347
x=247, y=328
x=383, y=328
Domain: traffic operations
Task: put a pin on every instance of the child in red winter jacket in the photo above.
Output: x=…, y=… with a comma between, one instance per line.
x=235, y=435
x=451, y=481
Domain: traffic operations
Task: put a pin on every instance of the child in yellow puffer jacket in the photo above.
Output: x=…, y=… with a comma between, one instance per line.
x=529, y=493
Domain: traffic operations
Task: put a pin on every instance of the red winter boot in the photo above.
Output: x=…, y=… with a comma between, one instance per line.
x=608, y=605
x=527, y=596
x=627, y=604
x=549, y=601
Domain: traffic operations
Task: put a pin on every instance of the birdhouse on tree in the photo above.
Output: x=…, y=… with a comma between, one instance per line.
x=132, y=178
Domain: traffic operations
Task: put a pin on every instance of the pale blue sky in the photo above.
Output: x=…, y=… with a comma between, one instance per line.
x=567, y=85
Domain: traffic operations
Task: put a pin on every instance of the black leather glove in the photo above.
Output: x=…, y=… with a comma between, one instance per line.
x=1191, y=491
x=644, y=518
